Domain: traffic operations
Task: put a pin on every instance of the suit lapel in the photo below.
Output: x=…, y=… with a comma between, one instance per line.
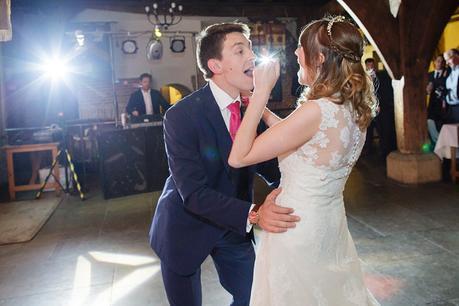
x=214, y=116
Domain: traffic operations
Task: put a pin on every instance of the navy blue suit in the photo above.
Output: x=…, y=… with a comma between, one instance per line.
x=204, y=205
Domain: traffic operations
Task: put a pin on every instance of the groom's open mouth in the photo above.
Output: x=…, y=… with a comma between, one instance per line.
x=249, y=72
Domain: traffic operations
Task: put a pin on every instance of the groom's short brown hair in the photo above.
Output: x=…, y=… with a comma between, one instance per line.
x=210, y=43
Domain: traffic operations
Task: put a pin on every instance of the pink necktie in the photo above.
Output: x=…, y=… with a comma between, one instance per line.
x=235, y=119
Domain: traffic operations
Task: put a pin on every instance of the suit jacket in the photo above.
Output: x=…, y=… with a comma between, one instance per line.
x=384, y=92
x=435, y=110
x=203, y=197
x=137, y=103
x=385, y=121
x=438, y=81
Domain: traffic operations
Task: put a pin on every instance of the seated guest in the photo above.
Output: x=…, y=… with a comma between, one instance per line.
x=452, y=89
x=146, y=101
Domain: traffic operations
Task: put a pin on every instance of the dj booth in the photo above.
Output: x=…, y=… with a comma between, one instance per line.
x=132, y=160
x=129, y=160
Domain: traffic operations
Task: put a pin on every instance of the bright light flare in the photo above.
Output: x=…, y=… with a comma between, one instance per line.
x=54, y=68
x=265, y=59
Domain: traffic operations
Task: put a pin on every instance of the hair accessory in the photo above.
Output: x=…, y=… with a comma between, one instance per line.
x=347, y=54
x=330, y=24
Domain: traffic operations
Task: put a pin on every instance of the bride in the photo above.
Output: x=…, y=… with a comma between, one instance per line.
x=316, y=263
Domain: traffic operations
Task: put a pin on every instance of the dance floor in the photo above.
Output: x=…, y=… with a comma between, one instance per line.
x=96, y=252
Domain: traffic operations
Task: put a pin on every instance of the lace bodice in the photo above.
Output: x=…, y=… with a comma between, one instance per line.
x=337, y=144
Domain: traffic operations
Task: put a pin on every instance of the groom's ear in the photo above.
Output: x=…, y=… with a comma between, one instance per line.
x=214, y=66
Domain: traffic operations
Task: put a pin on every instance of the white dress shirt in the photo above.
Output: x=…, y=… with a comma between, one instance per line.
x=147, y=101
x=224, y=100
x=451, y=85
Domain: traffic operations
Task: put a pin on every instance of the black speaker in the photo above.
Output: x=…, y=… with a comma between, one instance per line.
x=132, y=161
x=123, y=162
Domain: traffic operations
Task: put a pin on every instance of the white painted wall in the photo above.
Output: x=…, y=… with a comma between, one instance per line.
x=172, y=68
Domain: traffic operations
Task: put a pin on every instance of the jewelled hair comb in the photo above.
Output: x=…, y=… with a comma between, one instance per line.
x=349, y=55
x=331, y=22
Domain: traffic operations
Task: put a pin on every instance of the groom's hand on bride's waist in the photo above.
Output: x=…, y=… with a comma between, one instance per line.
x=274, y=218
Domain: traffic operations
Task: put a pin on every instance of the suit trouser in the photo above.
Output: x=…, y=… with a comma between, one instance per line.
x=233, y=256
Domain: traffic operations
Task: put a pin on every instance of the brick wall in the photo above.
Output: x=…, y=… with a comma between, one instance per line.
x=95, y=97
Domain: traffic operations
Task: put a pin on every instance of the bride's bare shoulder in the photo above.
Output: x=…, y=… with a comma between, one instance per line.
x=322, y=104
x=323, y=100
x=310, y=106
x=305, y=116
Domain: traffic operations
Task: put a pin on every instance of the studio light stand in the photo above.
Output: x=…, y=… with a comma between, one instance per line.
x=68, y=164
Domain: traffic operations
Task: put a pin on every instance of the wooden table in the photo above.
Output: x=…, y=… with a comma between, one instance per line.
x=36, y=160
x=447, y=146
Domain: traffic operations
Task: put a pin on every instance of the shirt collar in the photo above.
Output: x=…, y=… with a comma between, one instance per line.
x=223, y=99
x=148, y=91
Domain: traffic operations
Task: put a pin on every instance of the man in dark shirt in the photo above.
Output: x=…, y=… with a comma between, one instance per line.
x=146, y=101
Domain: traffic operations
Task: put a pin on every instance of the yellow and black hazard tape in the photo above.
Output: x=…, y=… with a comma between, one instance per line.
x=72, y=170
x=75, y=176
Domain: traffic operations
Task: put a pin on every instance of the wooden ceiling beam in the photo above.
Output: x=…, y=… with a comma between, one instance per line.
x=406, y=44
x=222, y=8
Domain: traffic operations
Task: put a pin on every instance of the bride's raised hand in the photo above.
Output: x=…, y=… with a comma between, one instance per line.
x=265, y=76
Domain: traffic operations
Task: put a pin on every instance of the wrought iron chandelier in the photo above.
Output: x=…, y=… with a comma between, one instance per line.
x=164, y=17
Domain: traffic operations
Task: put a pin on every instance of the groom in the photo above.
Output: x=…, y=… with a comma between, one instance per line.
x=205, y=205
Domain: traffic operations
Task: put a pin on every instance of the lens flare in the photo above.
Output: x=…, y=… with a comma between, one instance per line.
x=54, y=68
x=265, y=59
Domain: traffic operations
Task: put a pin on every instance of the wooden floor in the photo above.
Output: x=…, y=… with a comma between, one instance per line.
x=96, y=252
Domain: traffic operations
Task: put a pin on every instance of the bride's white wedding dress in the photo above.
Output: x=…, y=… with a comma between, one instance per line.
x=315, y=263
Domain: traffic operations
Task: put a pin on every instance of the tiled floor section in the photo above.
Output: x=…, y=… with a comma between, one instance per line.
x=96, y=252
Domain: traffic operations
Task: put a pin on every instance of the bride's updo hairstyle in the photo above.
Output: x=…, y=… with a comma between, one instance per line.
x=342, y=72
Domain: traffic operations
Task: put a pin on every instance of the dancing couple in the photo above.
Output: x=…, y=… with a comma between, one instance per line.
x=305, y=255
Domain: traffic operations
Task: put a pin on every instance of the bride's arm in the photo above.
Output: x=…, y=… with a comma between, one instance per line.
x=270, y=118
x=281, y=138
x=284, y=137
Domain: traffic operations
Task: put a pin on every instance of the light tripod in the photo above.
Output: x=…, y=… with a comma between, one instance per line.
x=68, y=165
